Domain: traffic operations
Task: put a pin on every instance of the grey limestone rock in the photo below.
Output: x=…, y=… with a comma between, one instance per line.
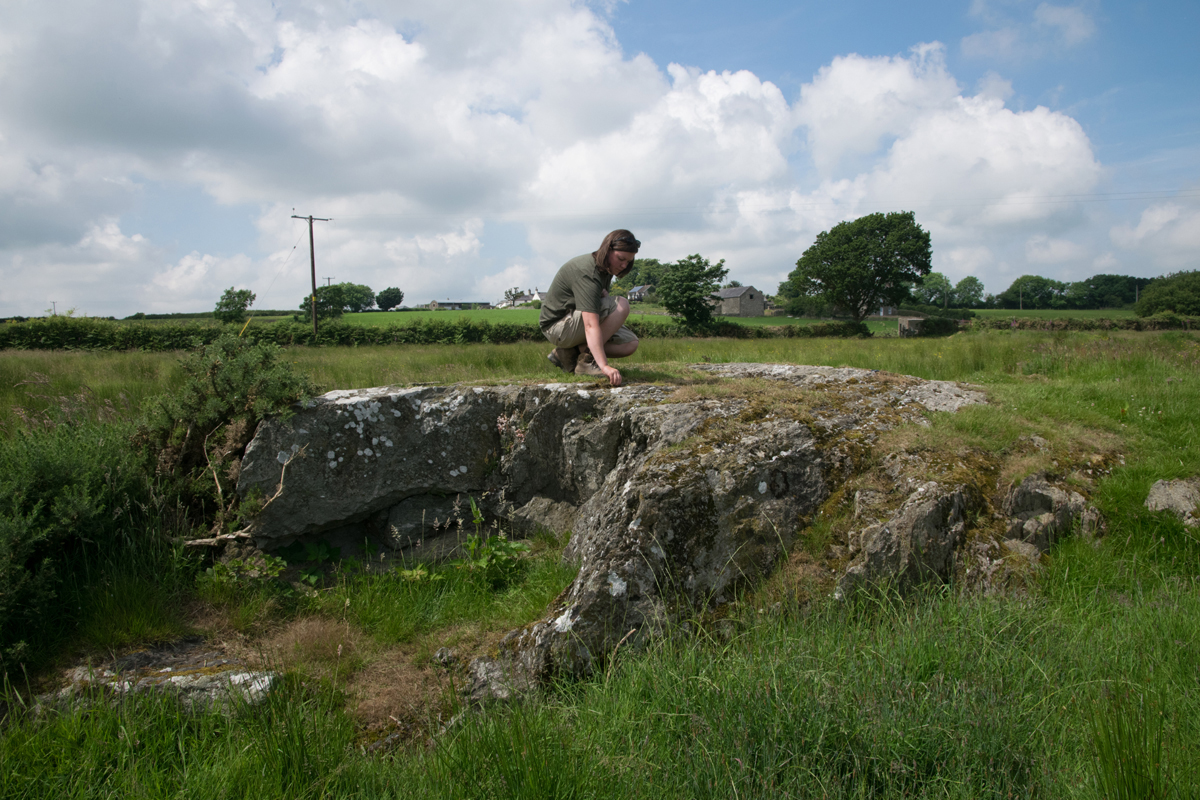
x=673, y=503
x=1180, y=497
x=1040, y=512
x=917, y=543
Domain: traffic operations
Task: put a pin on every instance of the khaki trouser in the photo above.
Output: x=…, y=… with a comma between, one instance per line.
x=569, y=331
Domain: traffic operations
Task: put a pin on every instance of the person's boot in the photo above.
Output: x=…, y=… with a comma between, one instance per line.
x=586, y=365
x=564, y=358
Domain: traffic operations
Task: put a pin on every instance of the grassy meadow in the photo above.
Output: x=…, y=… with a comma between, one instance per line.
x=1085, y=686
x=529, y=316
x=1058, y=313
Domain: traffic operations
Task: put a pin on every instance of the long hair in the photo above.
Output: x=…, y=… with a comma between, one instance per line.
x=620, y=240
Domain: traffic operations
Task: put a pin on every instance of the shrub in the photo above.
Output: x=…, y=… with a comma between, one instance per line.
x=195, y=436
x=68, y=493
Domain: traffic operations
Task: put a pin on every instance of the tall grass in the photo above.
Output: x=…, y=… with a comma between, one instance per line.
x=934, y=695
x=396, y=606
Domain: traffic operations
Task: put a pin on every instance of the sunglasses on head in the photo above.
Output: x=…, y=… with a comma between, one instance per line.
x=629, y=240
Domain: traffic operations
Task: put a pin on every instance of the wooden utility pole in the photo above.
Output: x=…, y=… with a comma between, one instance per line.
x=312, y=256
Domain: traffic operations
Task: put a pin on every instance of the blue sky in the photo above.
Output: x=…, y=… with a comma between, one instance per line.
x=152, y=153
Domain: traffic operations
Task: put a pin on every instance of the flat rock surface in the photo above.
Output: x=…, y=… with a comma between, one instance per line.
x=195, y=671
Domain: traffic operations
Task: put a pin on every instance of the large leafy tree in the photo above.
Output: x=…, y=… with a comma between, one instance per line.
x=233, y=304
x=356, y=298
x=859, y=265
x=686, y=289
x=1179, y=292
x=330, y=302
x=968, y=293
x=935, y=289
x=389, y=298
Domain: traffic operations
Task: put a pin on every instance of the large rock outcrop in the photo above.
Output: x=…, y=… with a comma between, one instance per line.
x=675, y=495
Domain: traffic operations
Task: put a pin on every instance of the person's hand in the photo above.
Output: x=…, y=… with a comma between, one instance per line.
x=614, y=376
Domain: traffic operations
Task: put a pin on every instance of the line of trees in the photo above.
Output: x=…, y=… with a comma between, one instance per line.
x=332, y=302
x=884, y=259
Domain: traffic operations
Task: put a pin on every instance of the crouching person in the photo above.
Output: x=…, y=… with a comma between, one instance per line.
x=586, y=325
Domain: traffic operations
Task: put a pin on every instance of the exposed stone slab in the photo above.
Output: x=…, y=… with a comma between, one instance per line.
x=1180, y=497
x=201, y=678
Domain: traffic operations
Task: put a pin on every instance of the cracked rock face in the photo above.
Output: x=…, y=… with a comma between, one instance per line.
x=674, y=497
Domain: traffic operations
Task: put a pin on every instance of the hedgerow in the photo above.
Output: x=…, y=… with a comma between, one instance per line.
x=73, y=333
x=1158, y=322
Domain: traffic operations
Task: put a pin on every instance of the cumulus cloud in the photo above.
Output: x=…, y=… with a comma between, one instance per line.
x=423, y=130
x=1166, y=233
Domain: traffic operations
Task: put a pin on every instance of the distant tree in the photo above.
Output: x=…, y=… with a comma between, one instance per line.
x=935, y=290
x=389, y=298
x=1178, y=292
x=330, y=302
x=856, y=266
x=645, y=272
x=1033, y=291
x=356, y=298
x=512, y=294
x=968, y=293
x=687, y=287
x=1105, y=291
x=732, y=285
x=233, y=304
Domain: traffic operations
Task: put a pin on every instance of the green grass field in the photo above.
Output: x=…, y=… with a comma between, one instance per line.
x=938, y=694
x=1048, y=313
x=529, y=316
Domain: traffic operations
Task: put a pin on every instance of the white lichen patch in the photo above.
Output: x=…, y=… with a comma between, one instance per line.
x=564, y=622
x=616, y=586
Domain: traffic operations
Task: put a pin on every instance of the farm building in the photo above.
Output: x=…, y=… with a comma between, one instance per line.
x=738, y=301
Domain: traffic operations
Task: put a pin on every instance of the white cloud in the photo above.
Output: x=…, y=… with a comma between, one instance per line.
x=1042, y=249
x=423, y=130
x=1167, y=234
x=855, y=102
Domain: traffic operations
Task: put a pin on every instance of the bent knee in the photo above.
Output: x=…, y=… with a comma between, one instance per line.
x=622, y=306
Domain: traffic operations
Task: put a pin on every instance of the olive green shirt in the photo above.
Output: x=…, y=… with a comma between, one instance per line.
x=578, y=286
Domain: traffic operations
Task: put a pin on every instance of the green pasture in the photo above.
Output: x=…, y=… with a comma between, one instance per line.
x=1058, y=313
x=939, y=694
x=529, y=316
